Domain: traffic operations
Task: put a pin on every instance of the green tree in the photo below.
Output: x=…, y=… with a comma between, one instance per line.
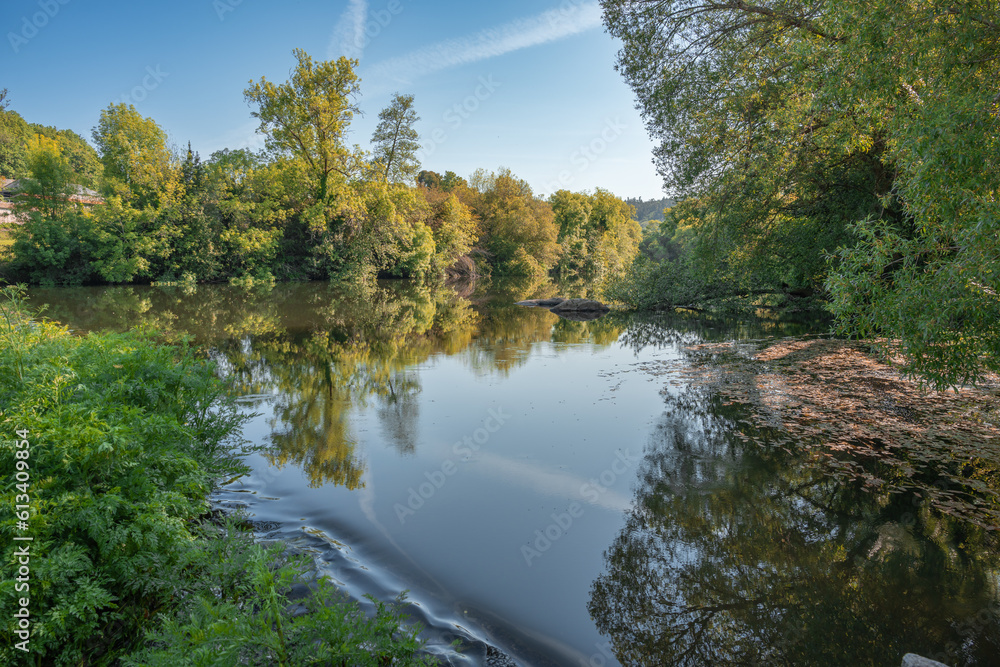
x=133, y=149
x=308, y=117
x=807, y=127
x=429, y=179
x=14, y=137
x=48, y=189
x=56, y=242
x=454, y=226
x=82, y=157
x=598, y=233
x=516, y=230
x=396, y=142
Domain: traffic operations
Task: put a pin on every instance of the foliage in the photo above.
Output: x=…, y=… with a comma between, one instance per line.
x=309, y=207
x=48, y=251
x=863, y=134
x=395, y=140
x=598, y=234
x=649, y=210
x=931, y=282
x=57, y=242
x=133, y=149
x=126, y=440
x=15, y=134
x=517, y=230
x=454, y=227
x=81, y=156
x=217, y=630
x=309, y=115
x=48, y=189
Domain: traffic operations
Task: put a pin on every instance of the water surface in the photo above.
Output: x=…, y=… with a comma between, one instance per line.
x=560, y=490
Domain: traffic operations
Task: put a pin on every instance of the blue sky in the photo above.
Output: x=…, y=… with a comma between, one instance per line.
x=526, y=85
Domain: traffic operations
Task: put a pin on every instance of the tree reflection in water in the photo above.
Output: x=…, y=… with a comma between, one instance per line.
x=317, y=353
x=737, y=553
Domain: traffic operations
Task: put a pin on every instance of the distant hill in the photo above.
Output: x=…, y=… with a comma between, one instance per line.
x=650, y=209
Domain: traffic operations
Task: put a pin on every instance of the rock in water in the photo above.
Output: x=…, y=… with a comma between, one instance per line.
x=579, y=305
x=544, y=303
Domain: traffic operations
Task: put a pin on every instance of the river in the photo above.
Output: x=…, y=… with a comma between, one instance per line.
x=560, y=492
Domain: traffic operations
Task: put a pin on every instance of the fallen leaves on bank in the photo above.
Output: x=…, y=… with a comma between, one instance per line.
x=859, y=418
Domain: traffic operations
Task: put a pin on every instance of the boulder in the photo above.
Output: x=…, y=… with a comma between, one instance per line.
x=579, y=305
x=544, y=303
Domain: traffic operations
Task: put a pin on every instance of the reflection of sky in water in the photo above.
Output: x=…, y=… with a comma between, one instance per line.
x=377, y=405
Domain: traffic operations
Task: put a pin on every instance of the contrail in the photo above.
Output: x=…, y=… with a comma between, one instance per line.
x=348, y=38
x=520, y=34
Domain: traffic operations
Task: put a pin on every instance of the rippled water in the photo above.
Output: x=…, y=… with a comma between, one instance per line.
x=560, y=491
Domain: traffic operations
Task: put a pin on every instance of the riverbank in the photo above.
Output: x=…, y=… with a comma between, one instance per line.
x=112, y=444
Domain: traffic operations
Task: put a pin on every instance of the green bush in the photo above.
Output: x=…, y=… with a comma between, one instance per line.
x=126, y=438
x=221, y=630
x=54, y=251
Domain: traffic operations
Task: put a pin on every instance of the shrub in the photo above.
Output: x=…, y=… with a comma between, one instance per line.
x=113, y=442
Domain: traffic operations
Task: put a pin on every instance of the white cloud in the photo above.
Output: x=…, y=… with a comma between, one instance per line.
x=520, y=34
x=349, y=37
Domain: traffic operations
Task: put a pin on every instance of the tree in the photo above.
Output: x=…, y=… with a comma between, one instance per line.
x=395, y=140
x=451, y=180
x=453, y=225
x=517, y=230
x=810, y=130
x=56, y=243
x=82, y=157
x=598, y=233
x=14, y=137
x=309, y=115
x=429, y=179
x=48, y=189
x=133, y=149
